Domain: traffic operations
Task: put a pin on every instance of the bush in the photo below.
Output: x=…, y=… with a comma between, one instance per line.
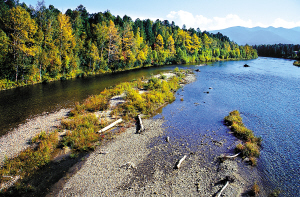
x=253, y=143
x=255, y=189
x=83, y=120
x=81, y=139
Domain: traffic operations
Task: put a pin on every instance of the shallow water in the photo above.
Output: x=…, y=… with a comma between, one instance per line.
x=267, y=96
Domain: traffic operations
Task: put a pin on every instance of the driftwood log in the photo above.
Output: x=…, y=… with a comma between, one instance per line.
x=140, y=126
x=110, y=126
x=179, y=162
x=9, y=183
x=230, y=157
x=228, y=180
x=223, y=157
x=167, y=139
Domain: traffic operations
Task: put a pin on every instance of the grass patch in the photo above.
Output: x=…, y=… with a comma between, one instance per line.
x=296, y=63
x=251, y=146
x=31, y=159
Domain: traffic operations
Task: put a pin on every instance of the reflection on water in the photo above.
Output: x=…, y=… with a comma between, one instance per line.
x=19, y=104
x=267, y=95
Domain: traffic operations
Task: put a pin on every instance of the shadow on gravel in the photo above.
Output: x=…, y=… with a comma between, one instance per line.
x=49, y=179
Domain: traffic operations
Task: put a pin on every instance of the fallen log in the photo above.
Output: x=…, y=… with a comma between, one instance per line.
x=179, y=162
x=167, y=139
x=110, y=126
x=140, y=124
x=228, y=180
x=233, y=156
x=10, y=183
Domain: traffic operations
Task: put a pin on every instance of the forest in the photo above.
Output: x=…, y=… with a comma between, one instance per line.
x=40, y=44
x=289, y=51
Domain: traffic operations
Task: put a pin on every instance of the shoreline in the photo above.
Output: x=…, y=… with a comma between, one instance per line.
x=142, y=164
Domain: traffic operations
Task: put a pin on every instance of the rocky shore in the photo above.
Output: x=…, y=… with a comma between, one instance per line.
x=144, y=165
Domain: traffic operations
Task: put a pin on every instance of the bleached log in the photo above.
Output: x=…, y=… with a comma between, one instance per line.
x=10, y=183
x=227, y=183
x=233, y=156
x=180, y=161
x=141, y=126
x=167, y=139
x=110, y=126
x=228, y=180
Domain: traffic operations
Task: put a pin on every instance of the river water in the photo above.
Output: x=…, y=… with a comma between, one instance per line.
x=266, y=94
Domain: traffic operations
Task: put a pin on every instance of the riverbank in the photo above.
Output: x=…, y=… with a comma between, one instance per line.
x=18, y=139
x=146, y=162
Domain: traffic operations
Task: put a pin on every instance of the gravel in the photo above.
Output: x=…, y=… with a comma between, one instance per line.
x=144, y=165
x=18, y=139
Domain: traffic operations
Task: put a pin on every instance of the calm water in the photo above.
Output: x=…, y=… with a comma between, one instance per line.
x=267, y=95
x=19, y=104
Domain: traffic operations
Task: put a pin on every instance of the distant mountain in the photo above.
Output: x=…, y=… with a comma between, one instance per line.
x=259, y=35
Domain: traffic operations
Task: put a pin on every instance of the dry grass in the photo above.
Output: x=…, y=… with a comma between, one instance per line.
x=251, y=148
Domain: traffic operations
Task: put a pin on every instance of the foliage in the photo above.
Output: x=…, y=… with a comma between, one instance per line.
x=255, y=189
x=43, y=44
x=296, y=63
x=251, y=148
x=290, y=51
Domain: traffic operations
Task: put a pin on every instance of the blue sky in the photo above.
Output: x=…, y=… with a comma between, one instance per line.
x=205, y=14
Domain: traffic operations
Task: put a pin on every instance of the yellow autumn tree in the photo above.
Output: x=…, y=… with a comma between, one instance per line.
x=128, y=46
x=21, y=29
x=206, y=41
x=159, y=54
x=100, y=34
x=195, y=43
x=66, y=43
x=113, y=43
x=171, y=46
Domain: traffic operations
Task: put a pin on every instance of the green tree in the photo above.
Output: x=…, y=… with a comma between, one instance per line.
x=21, y=29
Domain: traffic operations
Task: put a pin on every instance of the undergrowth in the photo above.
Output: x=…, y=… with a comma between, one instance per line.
x=251, y=146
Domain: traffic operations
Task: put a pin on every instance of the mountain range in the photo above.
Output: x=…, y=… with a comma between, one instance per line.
x=260, y=35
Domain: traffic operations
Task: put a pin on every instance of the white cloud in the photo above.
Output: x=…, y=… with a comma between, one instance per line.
x=217, y=23
x=286, y=24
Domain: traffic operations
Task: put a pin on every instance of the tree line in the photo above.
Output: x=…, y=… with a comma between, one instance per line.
x=289, y=51
x=39, y=44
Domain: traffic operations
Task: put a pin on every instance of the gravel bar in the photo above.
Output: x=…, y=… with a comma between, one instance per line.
x=17, y=140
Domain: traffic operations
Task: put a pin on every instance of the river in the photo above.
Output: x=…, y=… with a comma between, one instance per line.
x=266, y=94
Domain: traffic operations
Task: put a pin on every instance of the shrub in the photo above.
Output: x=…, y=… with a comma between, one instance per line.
x=81, y=139
x=176, y=70
x=96, y=102
x=82, y=120
x=255, y=189
x=253, y=143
